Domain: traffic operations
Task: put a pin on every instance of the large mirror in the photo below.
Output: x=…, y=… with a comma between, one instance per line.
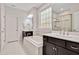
x=63, y=23
x=65, y=17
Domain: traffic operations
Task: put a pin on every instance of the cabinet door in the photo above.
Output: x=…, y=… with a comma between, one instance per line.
x=44, y=44
x=62, y=51
x=44, y=48
x=50, y=49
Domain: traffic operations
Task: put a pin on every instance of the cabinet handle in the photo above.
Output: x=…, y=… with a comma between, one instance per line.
x=74, y=47
x=53, y=48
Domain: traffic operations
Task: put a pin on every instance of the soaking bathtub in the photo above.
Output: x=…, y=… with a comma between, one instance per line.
x=33, y=45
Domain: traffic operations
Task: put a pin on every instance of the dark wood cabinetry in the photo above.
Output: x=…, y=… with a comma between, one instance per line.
x=27, y=33
x=64, y=51
x=73, y=46
x=56, y=46
x=56, y=41
x=50, y=49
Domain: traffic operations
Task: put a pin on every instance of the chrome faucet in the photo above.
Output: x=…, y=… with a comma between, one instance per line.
x=64, y=32
x=67, y=33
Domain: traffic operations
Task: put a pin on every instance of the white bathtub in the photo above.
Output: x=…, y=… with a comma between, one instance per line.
x=33, y=45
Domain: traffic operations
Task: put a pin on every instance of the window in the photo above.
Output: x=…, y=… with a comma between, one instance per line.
x=46, y=16
x=28, y=22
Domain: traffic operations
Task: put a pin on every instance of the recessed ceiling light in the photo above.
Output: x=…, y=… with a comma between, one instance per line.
x=30, y=16
x=61, y=9
x=13, y=5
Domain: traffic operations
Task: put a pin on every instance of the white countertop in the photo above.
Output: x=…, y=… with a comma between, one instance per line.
x=73, y=38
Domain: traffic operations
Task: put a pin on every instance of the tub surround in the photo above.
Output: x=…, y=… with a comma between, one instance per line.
x=33, y=45
x=35, y=40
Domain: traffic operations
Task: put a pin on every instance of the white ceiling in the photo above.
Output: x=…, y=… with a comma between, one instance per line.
x=24, y=6
x=56, y=6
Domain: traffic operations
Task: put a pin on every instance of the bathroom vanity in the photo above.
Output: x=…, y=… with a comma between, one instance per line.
x=54, y=44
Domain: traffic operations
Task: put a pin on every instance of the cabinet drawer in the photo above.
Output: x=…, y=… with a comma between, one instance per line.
x=56, y=41
x=73, y=46
x=63, y=51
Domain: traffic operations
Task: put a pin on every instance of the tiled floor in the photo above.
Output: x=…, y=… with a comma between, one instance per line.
x=13, y=48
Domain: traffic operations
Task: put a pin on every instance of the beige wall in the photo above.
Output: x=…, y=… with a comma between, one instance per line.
x=36, y=20
x=2, y=22
x=0, y=27
x=34, y=11
x=75, y=21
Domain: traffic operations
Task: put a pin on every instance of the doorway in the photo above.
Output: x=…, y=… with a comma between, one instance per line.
x=11, y=28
